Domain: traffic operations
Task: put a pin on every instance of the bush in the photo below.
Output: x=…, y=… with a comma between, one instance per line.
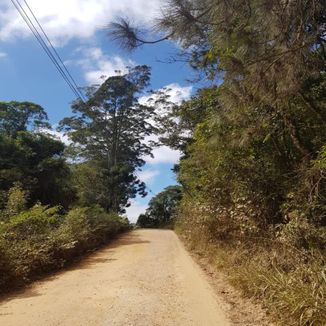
x=43, y=239
x=301, y=234
x=38, y=221
x=5, y=267
x=284, y=268
x=15, y=199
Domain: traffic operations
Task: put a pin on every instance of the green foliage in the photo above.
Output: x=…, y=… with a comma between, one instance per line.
x=28, y=243
x=110, y=129
x=36, y=161
x=19, y=116
x=145, y=221
x=16, y=201
x=43, y=239
x=31, y=157
x=161, y=208
x=299, y=233
x=37, y=221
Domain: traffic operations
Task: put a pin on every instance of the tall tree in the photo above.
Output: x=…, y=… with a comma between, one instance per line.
x=162, y=207
x=110, y=129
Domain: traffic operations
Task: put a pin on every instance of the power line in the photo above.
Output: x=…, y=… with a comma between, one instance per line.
x=39, y=38
x=53, y=48
x=37, y=35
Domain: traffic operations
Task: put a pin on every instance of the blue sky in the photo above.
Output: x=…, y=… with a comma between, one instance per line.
x=77, y=29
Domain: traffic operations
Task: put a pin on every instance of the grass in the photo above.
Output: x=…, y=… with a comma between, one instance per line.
x=291, y=285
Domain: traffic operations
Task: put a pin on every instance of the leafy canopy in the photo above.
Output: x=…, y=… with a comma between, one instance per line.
x=110, y=129
x=19, y=116
x=161, y=208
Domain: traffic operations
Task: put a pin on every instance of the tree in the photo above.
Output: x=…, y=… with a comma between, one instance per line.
x=110, y=129
x=161, y=208
x=270, y=54
x=30, y=157
x=19, y=116
x=176, y=128
x=145, y=221
x=37, y=162
x=93, y=173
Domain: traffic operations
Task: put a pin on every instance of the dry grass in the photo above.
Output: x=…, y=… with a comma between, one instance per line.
x=289, y=284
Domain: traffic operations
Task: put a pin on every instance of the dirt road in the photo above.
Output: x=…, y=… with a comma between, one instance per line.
x=145, y=278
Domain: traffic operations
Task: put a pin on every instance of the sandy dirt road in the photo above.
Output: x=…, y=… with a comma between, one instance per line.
x=145, y=278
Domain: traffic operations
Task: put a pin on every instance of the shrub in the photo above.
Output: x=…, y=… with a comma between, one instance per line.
x=74, y=231
x=5, y=267
x=37, y=221
x=28, y=239
x=16, y=200
x=284, y=270
x=43, y=239
x=301, y=234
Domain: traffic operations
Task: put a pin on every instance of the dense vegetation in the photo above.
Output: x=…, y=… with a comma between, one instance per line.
x=42, y=239
x=57, y=202
x=30, y=157
x=253, y=171
x=161, y=211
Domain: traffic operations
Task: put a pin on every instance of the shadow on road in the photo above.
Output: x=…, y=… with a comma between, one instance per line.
x=88, y=261
x=20, y=294
x=130, y=238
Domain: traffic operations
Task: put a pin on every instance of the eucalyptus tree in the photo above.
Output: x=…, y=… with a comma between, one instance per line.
x=108, y=134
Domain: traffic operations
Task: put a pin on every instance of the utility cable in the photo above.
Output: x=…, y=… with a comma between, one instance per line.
x=39, y=38
x=54, y=50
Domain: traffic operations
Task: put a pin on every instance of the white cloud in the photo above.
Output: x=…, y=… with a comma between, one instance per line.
x=3, y=55
x=57, y=134
x=164, y=154
x=96, y=65
x=161, y=154
x=177, y=94
x=67, y=19
x=135, y=210
x=148, y=176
